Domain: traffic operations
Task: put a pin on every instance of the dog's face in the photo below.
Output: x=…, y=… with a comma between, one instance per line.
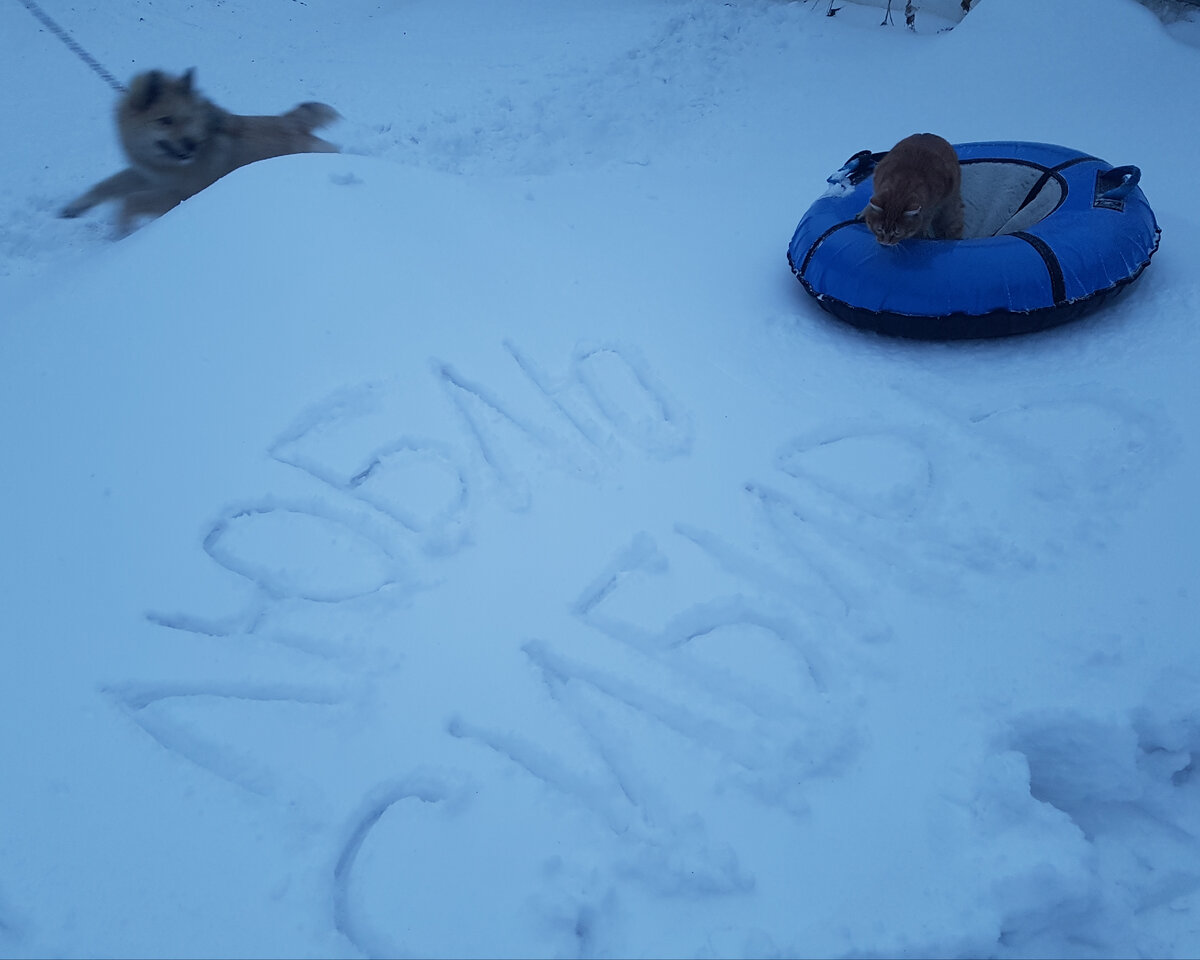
x=163, y=121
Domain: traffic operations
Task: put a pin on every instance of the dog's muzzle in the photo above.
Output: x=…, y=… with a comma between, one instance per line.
x=184, y=152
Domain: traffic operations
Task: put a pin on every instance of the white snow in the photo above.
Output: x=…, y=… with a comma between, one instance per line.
x=477, y=543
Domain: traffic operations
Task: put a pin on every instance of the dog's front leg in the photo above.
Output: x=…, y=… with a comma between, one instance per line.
x=145, y=203
x=118, y=185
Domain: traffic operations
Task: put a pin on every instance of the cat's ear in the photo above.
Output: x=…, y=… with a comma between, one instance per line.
x=874, y=206
x=915, y=212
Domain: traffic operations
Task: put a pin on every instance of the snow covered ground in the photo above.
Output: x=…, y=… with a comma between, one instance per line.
x=477, y=544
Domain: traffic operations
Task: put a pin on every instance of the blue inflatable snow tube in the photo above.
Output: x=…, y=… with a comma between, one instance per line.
x=1050, y=233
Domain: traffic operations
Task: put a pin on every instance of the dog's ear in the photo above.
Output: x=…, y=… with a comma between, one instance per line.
x=145, y=88
x=186, y=82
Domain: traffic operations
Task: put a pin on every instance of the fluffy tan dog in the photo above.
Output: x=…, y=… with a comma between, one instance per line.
x=178, y=143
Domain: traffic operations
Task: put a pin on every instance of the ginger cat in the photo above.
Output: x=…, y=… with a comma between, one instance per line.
x=918, y=192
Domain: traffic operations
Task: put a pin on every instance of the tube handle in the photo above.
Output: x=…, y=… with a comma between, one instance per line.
x=1113, y=186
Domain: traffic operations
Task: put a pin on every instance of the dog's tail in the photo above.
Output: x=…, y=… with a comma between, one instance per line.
x=311, y=116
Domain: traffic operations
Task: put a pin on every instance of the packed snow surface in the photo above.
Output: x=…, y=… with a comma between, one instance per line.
x=476, y=544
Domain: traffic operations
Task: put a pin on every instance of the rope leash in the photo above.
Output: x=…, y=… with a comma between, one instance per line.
x=73, y=45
